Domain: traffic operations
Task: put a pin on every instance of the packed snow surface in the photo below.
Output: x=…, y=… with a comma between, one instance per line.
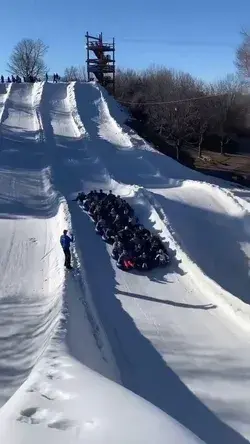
x=97, y=355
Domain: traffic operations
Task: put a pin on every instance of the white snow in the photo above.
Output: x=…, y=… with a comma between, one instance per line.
x=4, y=93
x=178, y=337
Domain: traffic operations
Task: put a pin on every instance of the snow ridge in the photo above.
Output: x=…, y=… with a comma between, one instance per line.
x=73, y=109
x=109, y=128
x=37, y=97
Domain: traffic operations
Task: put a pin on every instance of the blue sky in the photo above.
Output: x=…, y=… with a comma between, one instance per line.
x=196, y=36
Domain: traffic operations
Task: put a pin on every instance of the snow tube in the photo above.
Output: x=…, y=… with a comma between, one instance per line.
x=124, y=266
x=108, y=240
x=99, y=231
x=121, y=267
x=85, y=207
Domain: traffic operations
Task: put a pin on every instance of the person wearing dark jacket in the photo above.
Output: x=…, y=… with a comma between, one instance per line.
x=161, y=258
x=125, y=235
x=65, y=241
x=142, y=262
x=102, y=195
x=92, y=208
x=100, y=226
x=80, y=197
x=86, y=204
x=97, y=213
x=117, y=248
x=110, y=197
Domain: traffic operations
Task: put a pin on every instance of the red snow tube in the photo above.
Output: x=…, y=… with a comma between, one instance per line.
x=128, y=264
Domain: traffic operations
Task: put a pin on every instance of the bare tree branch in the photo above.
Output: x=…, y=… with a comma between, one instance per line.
x=74, y=73
x=220, y=108
x=27, y=58
x=242, y=61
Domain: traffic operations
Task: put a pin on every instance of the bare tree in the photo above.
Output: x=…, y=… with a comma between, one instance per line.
x=181, y=120
x=227, y=108
x=74, y=73
x=242, y=61
x=223, y=106
x=126, y=82
x=27, y=58
x=82, y=73
x=231, y=84
x=176, y=106
x=204, y=121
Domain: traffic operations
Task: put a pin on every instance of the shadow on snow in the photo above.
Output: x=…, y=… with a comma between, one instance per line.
x=214, y=242
x=142, y=368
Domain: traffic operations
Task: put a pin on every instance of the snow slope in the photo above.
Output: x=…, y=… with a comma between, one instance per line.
x=188, y=325
x=177, y=337
x=53, y=347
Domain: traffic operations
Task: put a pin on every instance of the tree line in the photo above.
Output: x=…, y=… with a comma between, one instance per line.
x=182, y=109
x=179, y=108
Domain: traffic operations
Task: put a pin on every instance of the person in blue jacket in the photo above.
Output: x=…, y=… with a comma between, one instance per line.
x=65, y=241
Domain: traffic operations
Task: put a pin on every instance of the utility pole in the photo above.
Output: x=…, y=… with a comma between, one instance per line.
x=101, y=60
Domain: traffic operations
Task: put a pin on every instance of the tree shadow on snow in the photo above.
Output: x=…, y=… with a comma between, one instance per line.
x=25, y=328
x=24, y=180
x=3, y=88
x=142, y=368
x=19, y=135
x=168, y=302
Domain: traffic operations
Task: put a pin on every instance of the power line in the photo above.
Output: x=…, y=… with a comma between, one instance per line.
x=168, y=42
x=175, y=101
x=176, y=42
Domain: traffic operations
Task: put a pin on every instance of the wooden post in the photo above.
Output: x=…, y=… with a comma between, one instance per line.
x=113, y=66
x=87, y=36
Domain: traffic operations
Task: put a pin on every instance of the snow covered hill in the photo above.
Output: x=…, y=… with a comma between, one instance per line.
x=177, y=337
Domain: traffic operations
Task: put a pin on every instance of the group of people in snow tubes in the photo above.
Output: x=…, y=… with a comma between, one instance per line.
x=133, y=246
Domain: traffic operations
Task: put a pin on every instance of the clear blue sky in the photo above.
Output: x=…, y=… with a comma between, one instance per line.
x=197, y=36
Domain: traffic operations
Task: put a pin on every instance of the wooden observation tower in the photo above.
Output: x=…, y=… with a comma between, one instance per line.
x=101, y=60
